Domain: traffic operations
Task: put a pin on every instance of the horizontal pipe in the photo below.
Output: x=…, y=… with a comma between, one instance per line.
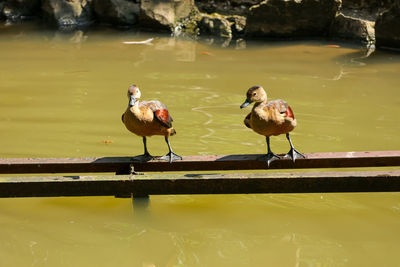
x=121, y=165
x=169, y=184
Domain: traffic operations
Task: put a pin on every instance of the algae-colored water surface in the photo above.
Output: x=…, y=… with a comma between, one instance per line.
x=62, y=95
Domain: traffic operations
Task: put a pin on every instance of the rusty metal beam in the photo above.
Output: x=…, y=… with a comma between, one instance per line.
x=121, y=165
x=142, y=185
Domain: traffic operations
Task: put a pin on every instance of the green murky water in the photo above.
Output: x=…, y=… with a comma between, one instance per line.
x=62, y=95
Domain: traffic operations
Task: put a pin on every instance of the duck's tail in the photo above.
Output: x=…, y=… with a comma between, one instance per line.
x=172, y=131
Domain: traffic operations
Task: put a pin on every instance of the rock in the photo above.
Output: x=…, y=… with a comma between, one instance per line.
x=387, y=28
x=226, y=7
x=370, y=5
x=238, y=24
x=291, y=18
x=164, y=14
x=118, y=12
x=221, y=26
x=353, y=27
x=68, y=13
x=216, y=25
x=1, y=11
x=17, y=10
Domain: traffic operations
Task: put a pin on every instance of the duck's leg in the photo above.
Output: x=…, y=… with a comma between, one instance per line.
x=270, y=156
x=171, y=156
x=293, y=153
x=146, y=156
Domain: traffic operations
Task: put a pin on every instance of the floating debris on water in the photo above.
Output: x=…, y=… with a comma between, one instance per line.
x=146, y=42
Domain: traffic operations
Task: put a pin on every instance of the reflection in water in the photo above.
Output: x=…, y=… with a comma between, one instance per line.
x=353, y=60
x=141, y=207
x=75, y=37
x=62, y=95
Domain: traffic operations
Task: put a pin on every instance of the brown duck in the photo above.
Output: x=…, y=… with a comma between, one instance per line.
x=270, y=118
x=147, y=118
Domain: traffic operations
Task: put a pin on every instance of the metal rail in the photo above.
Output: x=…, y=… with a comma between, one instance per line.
x=121, y=165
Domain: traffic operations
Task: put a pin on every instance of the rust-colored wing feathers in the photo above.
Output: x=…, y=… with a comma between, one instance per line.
x=289, y=112
x=282, y=107
x=163, y=117
x=160, y=112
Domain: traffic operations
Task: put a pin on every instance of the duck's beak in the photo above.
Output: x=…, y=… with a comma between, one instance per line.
x=132, y=101
x=246, y=103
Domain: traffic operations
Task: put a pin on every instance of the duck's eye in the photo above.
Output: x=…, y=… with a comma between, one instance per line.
x=254, y=94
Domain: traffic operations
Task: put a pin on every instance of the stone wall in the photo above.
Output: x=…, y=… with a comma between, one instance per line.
x=352, y=20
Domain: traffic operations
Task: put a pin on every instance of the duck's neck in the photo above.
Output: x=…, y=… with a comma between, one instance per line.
x=135, y=106
x=257, y=104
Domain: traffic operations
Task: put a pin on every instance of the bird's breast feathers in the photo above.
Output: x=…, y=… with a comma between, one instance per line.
x=272, y=118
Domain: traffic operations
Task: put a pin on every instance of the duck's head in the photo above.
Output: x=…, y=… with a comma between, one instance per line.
x=133, y=94
x=254, y=94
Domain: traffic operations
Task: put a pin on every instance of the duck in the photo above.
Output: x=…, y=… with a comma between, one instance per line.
x=148, y=118
x=270, y=118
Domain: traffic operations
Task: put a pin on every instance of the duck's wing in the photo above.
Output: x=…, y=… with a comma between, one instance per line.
x=280, y=106
x=160, y=112
x=247, y=120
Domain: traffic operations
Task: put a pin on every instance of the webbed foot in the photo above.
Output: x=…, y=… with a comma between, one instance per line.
x=270, y=157
x=293, y=154
x=171, y=156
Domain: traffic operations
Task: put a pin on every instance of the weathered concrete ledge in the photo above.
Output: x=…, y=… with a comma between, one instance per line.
x=352, y=20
